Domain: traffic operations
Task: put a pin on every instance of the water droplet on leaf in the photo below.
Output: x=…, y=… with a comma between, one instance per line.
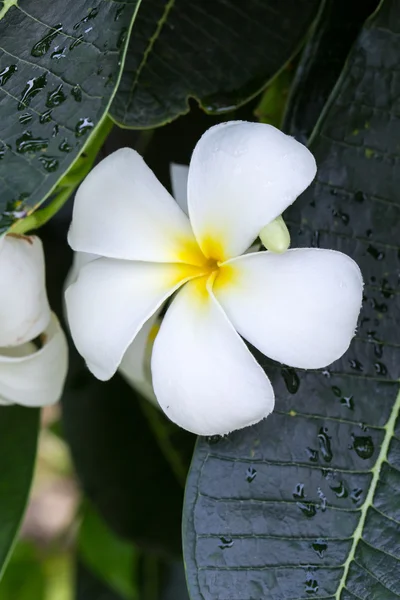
x=45, y=117
x=76, y=93
x=291, y=379
x=363, y=445
x=65, y=146
x=50, y=163
x=307, y=509
x=25, y=118
x=325, y=444
x=56, y=97
x=312, y=454
x=226, y=542
x=299, y=491
x=6, y=73
x=43, y=45
x=27, y=143
x=320, y=548
x=76, y=42
x=250, y=474
x=83, y=126
x=33, y=87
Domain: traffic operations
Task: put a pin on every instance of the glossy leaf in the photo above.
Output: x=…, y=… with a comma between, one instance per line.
x=59, y=67
x=306, y=503
x=221, y=54
x=18, y=440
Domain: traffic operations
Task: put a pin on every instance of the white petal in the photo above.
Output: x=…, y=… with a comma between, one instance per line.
x=109, y=303
x=79, y=260
x=24, y=308
x=121, y=210
x=204, y=377
x=135, y=365
x=33, y=377
x=299, y=308
x=179, y=179
x=241, y=177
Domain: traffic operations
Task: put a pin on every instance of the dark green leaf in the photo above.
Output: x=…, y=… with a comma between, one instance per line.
x=18, y=439
x=306, y=504
x=222, y=53
x=322, y=61
x=24, y=578
x=59, y=67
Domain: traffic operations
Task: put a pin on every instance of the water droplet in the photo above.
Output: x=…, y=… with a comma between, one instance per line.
x=58, y=53
x=3, y=150
x=25, y=118
x=377, y=254
x=348, y=402
x=312, y=454
x=322, y=497
x=65, y=146
x=380, y=368
x=119, y=12
x=50, y=163
x=226, y=542
x=56, y=97
x=250, y=474
x=325, y=444
x=343, y=216
x=363, y=445
x=109, y=79
x=83, y=126
x=319, y=547
x=213, y=439
x=337, y=391
x=307, y=508
x=45, y=117
x=339, y=489
x=76, y=42
x=311, y=585
x=33, y=87
x=27, y=143
x=356, y=365
x=326, y=373
x=6, y=73
x=43, y=45
x=299, y=491
x=91, y=15
x=122, y=38
x=359, y=197
x=291, y=379
x=76, y=93
x=356, y=495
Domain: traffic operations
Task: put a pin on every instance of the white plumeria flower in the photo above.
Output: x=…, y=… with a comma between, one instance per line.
x=299, y=308
x=33, y=348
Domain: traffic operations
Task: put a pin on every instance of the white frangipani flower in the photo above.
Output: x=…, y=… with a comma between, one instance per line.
x=33, y=348
x=299, y=307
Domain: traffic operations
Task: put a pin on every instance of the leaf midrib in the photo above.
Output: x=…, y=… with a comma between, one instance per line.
x=376, y=471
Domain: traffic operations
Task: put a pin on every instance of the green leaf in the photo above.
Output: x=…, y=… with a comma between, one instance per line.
x=108, y=557
x=18, y=439
x=24, y=577
x=306, y=504
x=59, y=68
x=221, y=54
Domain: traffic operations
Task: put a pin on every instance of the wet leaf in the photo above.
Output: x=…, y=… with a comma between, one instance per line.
x=18, y=438
x=306, y=503
x=59, y=67
x=221, y=54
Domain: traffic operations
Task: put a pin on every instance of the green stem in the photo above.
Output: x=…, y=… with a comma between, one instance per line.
x=40, y=217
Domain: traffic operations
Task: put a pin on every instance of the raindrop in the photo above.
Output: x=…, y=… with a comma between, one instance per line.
x=25, y=118
x=299, y=491
x=6, y=73
x=27, y=143
x=83, y=126
x=65, y=146
x=119, y=12
x=3, y=150
x=359, y=197
x=58, y=53
x=337, y=391
x=213, y=439
x=348, y=402
x=77, y=41
x=56, y=97
x=380, y=368
x=356, y=365
x=33, y=87
x=50, y=163
x=76, y=93
x=43, y=45
x=45, y=117
x=307, y=508
x=326, y=373
x=312, y=454
x=291, y=379
x=91, y=15
x=339, y=489
x=250, y=474
x=377, y=254
x=319, y=547
x=325, y=444
x=322, y=497
x=226, y=542
x=356, y=495
x=363, y=426
x=122, y=38
x=311, y=585
x=363, y=445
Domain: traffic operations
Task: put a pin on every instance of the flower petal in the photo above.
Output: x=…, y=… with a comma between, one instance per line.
x=33, y=377
x=241, y=177
x=122, y=211
x=135, y=365
x=109, y=303
x=204, y=377
x=179, y=180
x=299, y=308
x=24, y=308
